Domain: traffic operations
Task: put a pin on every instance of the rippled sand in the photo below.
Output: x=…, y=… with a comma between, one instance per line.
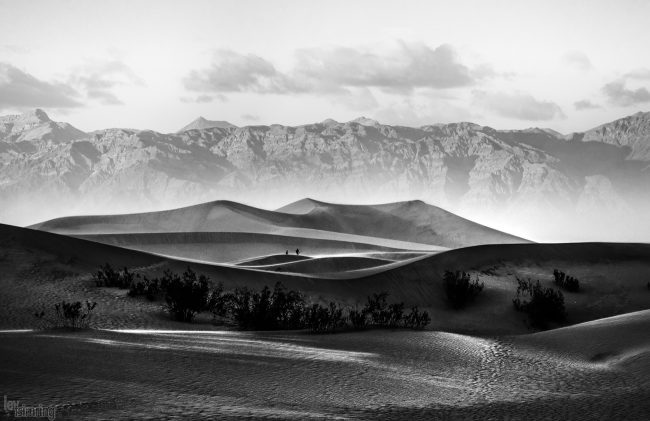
x=366, y=375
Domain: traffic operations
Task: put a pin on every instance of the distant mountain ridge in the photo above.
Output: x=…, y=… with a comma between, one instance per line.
x=509, y=179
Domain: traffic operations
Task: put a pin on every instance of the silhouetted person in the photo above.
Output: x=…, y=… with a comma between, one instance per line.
x=297, y=252
x=286, y=252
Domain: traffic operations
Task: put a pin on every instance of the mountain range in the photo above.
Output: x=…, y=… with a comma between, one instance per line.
x=534, y=183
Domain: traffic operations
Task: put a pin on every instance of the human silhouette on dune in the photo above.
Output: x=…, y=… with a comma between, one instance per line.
x=297, y=252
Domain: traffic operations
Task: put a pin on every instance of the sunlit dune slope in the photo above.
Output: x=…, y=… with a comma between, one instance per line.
x=614, y=340
x=322, y=265
x=222, y=247
x=412, y=221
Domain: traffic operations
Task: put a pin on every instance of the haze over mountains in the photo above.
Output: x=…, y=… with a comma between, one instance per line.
x=534, y=183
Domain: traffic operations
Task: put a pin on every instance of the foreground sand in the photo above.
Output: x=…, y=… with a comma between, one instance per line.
x=367, y=375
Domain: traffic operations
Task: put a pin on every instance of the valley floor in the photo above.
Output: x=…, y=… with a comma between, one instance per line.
x=376, y=374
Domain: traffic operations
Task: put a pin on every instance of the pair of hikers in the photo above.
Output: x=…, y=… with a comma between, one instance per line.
x=297, y=252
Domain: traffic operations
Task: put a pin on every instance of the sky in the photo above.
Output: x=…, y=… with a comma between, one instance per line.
x=158, y=65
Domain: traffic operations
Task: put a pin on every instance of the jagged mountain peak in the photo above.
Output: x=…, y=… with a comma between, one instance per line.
x=632, y=132
x=28, y=118
x=35, y=125
x=202, y=123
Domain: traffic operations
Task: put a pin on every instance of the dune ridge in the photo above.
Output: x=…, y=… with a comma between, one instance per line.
x=414, y=222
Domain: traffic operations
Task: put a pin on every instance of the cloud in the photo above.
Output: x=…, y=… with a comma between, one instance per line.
x=234, y=72
x=585, y=104
x=339, y=70
x=416, y=112
x=203, y=99
x=617, y=93
x=402, y=69
x=20, y=89
x=518, y=105
x=99, y=79
x=578, y=60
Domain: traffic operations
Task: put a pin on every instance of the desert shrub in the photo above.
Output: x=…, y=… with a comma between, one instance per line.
x=542, y=305
x=325, y=319
x=395, y=314
x=106, y=276
x=71, y=315
x=377, y=308
x=186, y=296
x=459, y=288
x=217, y=303
x=150, y=288
x=266, y=309
x=377, y=312
x=239, y=307
x=287, y=308
x=416, y=319
x=568, y=283
x=358, y=318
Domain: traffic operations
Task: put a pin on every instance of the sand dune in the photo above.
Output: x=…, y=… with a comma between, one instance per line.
x=39, y=268
x=613, y=340
x=272, y=259
x=612, y=276
x=414, y=222
x=324, y=265
x=223, y=247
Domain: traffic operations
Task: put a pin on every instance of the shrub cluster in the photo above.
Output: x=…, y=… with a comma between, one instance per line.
x=187, y=295
x=378, y=313
x=568, y=283
x=72, y=315
x=267, y=309
x=542, y=305
x=106, y=276
x=460, y=289
x=325, y=319
x=285, y=309
x=261, y=310
x=152, y=289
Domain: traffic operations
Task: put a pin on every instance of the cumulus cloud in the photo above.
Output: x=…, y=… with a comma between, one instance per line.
x=518, y=105
x=234, y=72
x=585, y=104
x=19, y=89
x=619, y=94
x=339, y=70
x=417, y=112
x=578, y=60
x=406, y=67
x=99, y=79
